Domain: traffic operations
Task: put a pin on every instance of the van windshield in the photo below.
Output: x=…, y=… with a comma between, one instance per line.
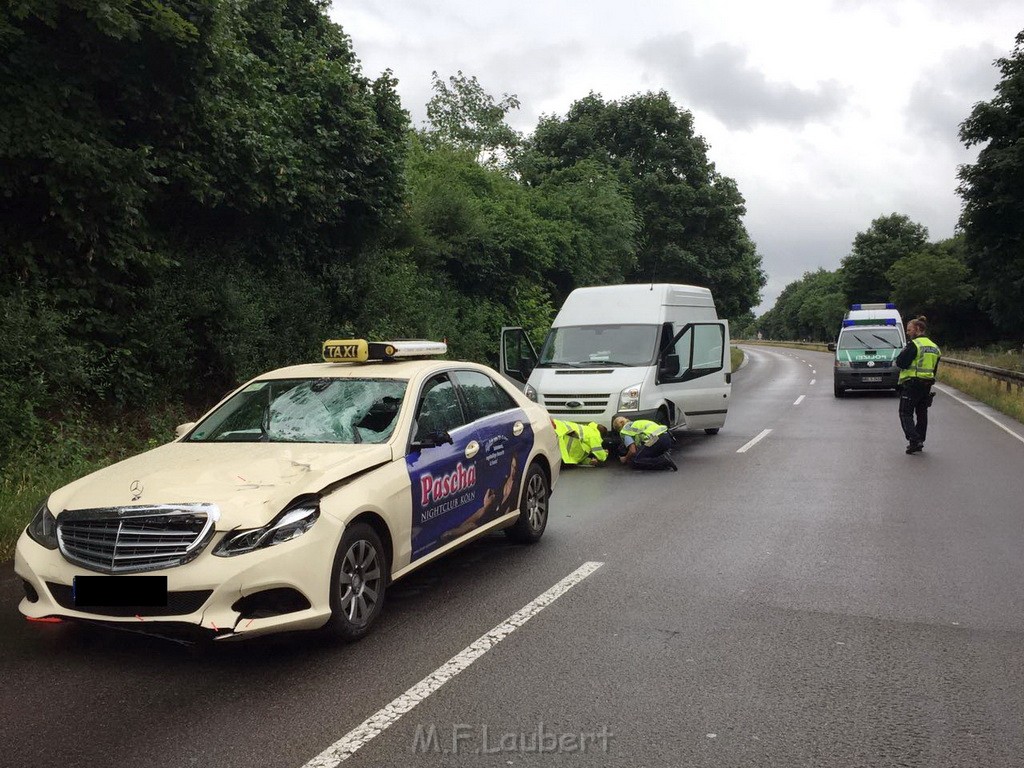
x=870, y=338
x=588, y=346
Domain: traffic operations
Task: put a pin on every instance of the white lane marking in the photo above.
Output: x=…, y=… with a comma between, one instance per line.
x=814, y=372
x=799, y=400
x=754, y=442
x=946, y=390
x=813, y=382
x=383, y=719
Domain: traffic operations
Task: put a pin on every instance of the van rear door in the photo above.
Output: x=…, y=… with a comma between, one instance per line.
x=695, y=373
x=516, y=356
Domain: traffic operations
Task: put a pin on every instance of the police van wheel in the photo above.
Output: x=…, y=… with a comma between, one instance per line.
x=712, y=431
x=358, y=582
x=533, y=507
x=838, y=391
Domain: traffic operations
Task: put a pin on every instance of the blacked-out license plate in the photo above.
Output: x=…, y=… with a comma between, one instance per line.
x=119, y=591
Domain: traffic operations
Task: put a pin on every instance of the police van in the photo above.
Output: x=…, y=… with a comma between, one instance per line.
x=648, y=351
x=869, y=341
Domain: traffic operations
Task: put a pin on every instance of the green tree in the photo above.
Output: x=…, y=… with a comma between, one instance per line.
x=810, y=308
x=462, y=115
x=690, y=216
x=938, y=283
x=148, y=146
x=886, y=241
x=993, y=193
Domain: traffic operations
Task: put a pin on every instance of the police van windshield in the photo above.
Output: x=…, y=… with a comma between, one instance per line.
x=870, y=338
x=306, y=411
x=588, y=346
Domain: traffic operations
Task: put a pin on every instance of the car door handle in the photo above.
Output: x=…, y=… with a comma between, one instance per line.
x=472, y=449
x=517, y=428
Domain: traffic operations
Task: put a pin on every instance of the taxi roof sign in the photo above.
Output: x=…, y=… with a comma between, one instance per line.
x=361, y=350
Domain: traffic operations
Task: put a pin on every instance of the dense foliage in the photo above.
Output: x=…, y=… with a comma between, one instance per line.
x=993, y=194
x=689, y=215
x=197, y=190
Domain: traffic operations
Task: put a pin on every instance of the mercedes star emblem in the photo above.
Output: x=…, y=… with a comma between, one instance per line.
x=136, y=489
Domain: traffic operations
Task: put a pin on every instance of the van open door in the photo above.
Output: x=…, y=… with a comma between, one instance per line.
x=695, y=372
x=517, y=357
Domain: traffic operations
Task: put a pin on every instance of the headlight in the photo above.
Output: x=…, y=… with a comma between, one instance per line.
x=629, y=398
x=842, y=364
x=43, y=528
x=290, y=524
x=530, y=392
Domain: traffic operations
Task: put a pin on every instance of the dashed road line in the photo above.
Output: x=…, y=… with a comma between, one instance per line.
x=384, y=718
x=754, y=442
x=799, y=400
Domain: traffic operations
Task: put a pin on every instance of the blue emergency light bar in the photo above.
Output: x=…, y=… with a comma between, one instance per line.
x=886, y=321
x=888, y=305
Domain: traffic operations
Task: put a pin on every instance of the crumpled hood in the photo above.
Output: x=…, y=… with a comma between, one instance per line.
x=249, y=482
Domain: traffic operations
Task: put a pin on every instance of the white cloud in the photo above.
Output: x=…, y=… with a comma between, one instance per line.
x=827, y=114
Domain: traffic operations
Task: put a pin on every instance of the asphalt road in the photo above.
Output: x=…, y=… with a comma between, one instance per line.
x=818, y=599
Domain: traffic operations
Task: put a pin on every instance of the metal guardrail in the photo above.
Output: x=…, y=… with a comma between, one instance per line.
x=1011, y=378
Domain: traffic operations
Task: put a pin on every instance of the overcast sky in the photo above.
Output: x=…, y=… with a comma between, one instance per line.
x=827, y=113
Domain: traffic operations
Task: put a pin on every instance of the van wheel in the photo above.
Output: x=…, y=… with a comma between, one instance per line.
x=837, y=390
x=662, y=417
x=358, y=582
x=533, y=507
x=712, y=431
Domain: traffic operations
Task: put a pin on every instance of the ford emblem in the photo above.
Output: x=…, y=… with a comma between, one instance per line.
x=574, y=404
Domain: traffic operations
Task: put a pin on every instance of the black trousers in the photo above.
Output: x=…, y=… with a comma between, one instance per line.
x=653, y=456
x=915, y=398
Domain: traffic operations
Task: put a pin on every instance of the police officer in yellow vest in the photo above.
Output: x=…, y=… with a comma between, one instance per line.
x=580, y=443
x=647, y=443
x=918, y=363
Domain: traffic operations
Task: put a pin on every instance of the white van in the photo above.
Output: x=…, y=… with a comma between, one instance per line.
x=651, y=351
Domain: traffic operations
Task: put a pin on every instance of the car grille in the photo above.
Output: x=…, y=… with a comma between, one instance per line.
x=877, y=364
x=589, y=405
x=135, y=539
x=178, y=603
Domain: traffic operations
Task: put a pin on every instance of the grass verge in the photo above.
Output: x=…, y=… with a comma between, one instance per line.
x=68, y=451
x=986, y=389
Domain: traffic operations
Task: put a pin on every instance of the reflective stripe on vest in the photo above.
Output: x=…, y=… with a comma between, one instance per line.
x=594, y=441
x=925, y=362
x=649, y=430
x=578, y=442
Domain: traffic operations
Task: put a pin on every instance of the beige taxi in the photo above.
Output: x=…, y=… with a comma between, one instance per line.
x=298, y=499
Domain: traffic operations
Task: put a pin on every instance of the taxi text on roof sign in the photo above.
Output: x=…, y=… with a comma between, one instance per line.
x=360, y=350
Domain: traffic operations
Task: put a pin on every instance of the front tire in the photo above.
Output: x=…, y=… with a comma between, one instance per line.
x=533, y=507
x=838, y=391
x=712, y=430
x=358, y=583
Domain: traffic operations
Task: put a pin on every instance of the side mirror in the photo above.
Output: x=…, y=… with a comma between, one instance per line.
x=831, y=346
x=669, y=367
x=183, y=429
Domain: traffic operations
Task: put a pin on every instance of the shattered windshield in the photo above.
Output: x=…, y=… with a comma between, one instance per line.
x=307, y=411
x=585, y=346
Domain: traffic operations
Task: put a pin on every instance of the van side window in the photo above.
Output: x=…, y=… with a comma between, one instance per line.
x=697, y=352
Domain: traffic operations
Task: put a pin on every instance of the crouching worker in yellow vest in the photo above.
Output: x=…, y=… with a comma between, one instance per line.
x=580, y=443
x=647, y=443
